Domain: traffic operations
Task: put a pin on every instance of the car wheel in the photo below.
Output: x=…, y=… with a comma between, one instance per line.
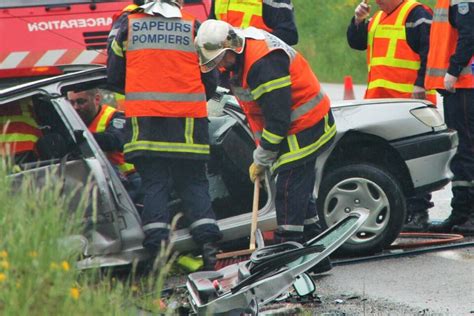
x=369, y=186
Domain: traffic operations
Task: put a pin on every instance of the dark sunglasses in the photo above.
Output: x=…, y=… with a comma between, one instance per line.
x=79, y=101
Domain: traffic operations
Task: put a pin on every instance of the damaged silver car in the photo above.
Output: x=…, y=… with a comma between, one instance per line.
x=385, y=151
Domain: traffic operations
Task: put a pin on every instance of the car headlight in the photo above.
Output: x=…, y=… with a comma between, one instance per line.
x=428, y=116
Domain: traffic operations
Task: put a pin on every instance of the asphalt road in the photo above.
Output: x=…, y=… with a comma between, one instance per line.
x=440, y=283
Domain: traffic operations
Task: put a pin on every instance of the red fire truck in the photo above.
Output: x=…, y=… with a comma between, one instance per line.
x=38, y=35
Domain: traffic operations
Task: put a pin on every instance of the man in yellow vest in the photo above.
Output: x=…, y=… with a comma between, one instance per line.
x=19, y=131
x=450, y=71
x=273, y=16
x=107, y=125
x=397, y=41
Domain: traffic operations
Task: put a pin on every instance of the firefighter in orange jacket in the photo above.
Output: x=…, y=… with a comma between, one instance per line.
x=287, y=110
x=155, y=61
x=450, y=71
x=20, y=131
x=107, y=125
x=397, y=41
x=273, y=16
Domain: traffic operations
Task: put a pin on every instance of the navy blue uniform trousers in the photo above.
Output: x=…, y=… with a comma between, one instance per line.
x=188, y=178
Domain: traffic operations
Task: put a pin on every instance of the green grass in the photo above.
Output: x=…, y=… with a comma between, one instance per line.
x=322, y=29
x=37, y=272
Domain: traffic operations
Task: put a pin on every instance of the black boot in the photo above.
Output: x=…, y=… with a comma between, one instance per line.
x=418, y=222
x=466, y=229
x=447, y=225
x=209, y=256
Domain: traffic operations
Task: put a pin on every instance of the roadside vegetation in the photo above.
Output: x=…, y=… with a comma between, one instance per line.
x=322, y=29
x=37, y=264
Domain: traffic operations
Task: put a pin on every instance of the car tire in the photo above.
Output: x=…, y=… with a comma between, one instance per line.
x=368, y=186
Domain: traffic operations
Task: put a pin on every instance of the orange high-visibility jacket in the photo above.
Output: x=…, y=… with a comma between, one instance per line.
x=241, y=13
x=393, y=66
x=19, y=129
x=99, y=125
x=158, y=52
x=310, y=105
x=443, y=42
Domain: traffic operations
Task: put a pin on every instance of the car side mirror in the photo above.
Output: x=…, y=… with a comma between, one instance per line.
x=304, y=285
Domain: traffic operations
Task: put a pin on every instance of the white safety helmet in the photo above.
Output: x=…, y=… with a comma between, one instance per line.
x=166, y=8
x=177, y=2
x=213, y=39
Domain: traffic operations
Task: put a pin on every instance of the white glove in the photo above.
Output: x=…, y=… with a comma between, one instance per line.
x=449, y=81
x=362, y=12
x=264, y=157
x=419, y=93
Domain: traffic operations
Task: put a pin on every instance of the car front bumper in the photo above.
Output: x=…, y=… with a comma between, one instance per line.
x=428, y=157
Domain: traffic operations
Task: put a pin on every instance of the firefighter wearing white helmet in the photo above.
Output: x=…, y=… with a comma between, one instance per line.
x=167, y=139
x=214, y=40
x=288, y=113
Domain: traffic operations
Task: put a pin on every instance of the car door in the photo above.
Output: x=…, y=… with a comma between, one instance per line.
x=111, y=221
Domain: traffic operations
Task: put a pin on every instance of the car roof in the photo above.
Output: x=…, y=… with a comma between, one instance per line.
x=72, y=73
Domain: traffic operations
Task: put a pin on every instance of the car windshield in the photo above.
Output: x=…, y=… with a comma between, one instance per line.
x=30, y=3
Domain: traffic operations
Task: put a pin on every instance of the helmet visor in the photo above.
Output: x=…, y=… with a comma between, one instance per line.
x=211, y=64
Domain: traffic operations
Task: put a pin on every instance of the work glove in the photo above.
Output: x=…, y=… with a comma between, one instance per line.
x=419, y=93
x=264, y=157
x=449, y=82
x=362, y=12
x=256, y=171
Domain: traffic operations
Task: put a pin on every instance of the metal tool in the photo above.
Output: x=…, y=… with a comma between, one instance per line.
x=270, y=272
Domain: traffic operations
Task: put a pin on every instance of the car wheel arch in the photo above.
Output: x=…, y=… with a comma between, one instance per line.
x=356, y=147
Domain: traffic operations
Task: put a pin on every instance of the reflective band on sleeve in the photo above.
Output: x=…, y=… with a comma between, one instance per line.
x=417, y=23
x=291, y=228
x=204, y=221
x=117, y=49
x=156, y=96
x=272, y=138
x=307, y=107
x=270, y=86
x=156, y=226
x=166, y=147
